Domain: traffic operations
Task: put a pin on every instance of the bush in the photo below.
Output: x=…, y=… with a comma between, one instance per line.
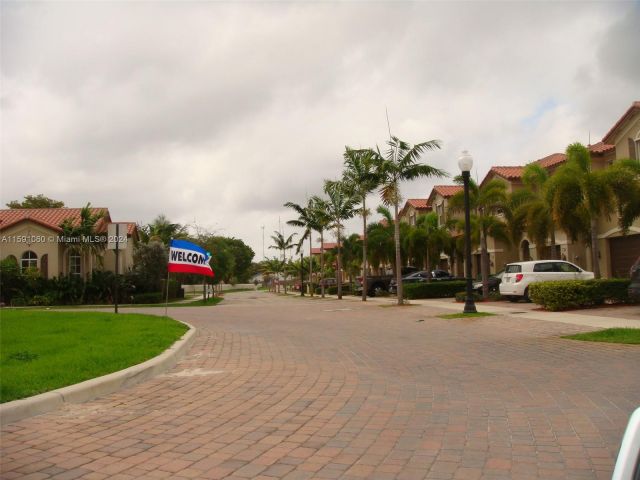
x=433, y=289
x=346, y=290
x=565, y=294
x=462, y=296
x=153, y=297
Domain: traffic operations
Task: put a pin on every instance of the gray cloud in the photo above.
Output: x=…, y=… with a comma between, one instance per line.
x=222, y=112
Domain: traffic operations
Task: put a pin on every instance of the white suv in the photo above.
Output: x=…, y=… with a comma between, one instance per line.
x=518, y=276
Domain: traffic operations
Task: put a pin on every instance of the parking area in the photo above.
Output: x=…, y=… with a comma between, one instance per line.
x=300, y=388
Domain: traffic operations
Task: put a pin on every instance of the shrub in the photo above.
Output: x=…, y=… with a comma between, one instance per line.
x=433, y=289
x=346, y=290
x=153, y=297
x=565, y=294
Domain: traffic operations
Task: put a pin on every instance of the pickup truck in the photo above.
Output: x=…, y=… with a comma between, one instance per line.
x=379, y=285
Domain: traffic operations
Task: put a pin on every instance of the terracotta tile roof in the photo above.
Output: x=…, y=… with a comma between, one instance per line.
x=50, y=217
x=419, y=203
x=634, y=108
x=510, y=173
x=327, y=246
x=551, y=160
x=601, y=147
x=447, y=190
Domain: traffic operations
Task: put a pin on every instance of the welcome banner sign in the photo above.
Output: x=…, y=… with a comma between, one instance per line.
x=187, y=257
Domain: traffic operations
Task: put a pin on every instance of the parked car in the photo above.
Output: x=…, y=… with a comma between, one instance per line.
x=494, y=283
x=379, y=284
x=414, y=277
x=442, y=276
x=518, y=276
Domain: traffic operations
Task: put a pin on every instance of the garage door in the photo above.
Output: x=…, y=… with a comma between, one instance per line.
x=624, y=252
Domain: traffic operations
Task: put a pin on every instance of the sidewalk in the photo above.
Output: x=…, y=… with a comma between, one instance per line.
x=627, y=316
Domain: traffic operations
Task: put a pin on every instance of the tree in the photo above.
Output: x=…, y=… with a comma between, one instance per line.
x=150, y=266
x=426, y=240
x=352, y=256
x=271, y=266
x=380, y=234
x=487, y=202
x=400, y=163
x=537, y=208
x=307, y=219
x=36, y=201
x=321, y=220
x=340, y=206
x=580, y=195
x=81, y=237
x=161, y=229
x=361, y=176
x=283, y=244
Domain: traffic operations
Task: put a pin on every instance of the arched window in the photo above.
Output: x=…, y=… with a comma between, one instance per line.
x=75, y=264
x=13, y=259
x=28, y=260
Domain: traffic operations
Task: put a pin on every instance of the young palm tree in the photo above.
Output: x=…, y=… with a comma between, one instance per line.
x=271, y=266
x=79, y=232
x=487, y=202
x=352, y=256
x=283, y=244
x=360, y=174
x=340, y=206
x=537, y=208
x=580, y=196
x=380, y=234
x=162, y=230
x=400, y=163
x=307, y=219
x=321, y=221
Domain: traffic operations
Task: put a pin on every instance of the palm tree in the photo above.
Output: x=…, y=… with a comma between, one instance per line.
x=162, y=230
x=271, y=266
x=283, y=244
x=360, y=173
x=79, y=233
x=321, y=221
x=487, y=202
x=537, y=208
x=380, y=235
x=580, y=195
x=400, y=163
x=340, y=206
x=352, y=256
x=432, y=238
x=307, y=219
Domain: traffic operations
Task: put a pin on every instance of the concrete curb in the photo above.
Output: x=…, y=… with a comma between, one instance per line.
x=16, y=410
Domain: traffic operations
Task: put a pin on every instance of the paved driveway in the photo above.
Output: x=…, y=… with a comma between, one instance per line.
x=297, y=388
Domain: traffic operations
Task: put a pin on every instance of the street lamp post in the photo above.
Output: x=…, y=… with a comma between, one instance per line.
x=465, y=162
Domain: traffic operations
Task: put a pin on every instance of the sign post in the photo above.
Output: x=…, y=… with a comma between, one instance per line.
x=117, y=243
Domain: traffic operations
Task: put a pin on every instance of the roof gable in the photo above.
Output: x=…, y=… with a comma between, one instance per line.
x=631, y=111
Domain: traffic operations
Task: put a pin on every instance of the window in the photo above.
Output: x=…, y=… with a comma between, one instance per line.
x=543, y=267
x=75, y=264
x=637, y=146
x=28, y=260
x=566, y=267
x=513, y=269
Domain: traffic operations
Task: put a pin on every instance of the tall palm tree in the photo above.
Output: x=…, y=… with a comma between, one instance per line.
x=307, y=219
x=488, y=203
x=399, y=163
x=360, y=173
x=580, y=195
x=283, y=244
x=340, y=206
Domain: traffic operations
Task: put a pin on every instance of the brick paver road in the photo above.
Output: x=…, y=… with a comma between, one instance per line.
x=290, y=388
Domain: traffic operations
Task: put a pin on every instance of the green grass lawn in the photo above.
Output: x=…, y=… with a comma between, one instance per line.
x=466, y=315
x=41, y=350
x=610, y=335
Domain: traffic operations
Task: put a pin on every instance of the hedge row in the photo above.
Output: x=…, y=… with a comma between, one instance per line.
x=433, y=289
x=565, y=294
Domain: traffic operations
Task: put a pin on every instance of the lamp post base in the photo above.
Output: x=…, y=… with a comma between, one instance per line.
x=469, y=306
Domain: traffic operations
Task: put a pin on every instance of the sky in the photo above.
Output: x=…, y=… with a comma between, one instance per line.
x=217, y=113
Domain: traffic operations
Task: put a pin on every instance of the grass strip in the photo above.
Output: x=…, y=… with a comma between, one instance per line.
x=610, y=335
x=42, y=350
x=466, y=315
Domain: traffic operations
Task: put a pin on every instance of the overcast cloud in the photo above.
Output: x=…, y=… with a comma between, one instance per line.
x=218, y=113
